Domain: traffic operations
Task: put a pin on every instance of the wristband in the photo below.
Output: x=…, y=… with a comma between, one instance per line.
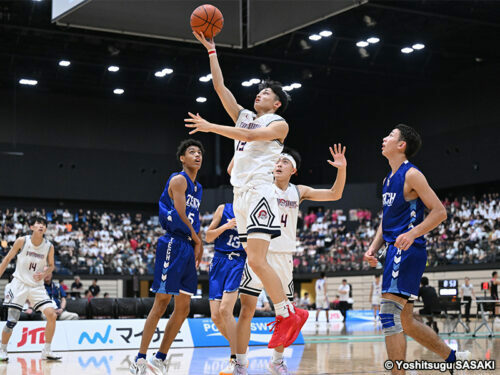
x=212, y=52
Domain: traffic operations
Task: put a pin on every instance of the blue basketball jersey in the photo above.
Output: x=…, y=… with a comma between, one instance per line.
x=399, y=215
x=228, y=241
x=170, y=219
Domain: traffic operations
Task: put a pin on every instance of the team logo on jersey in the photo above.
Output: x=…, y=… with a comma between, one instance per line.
x=262, y=215
x=287, y=203
x=388, y=198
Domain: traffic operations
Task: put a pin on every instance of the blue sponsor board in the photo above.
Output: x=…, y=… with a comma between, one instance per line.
x=205, y=333
x=365, y=315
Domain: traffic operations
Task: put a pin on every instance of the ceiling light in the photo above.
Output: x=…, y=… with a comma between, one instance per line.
x=373, y=40
x=314, y=37
x=204, y=79
x=113, y=68
x=64, y=63
x=296, y=85
x=407, y=50
x=118, y=91
x=362, y=43
x=246, y=83
x=168, y=71
x=160, y=74
x=254, y=81
x=30, y=82
x=288, y=88
x=326, y=33
x=418, y=46
x=201, y=99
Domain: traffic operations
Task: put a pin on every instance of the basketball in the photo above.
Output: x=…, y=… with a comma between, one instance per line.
x=208, y=20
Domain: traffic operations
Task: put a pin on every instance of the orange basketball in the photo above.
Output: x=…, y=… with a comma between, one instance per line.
x=207, y=19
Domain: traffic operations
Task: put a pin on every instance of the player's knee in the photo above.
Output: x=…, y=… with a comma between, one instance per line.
x=216, y=316
x=390, y=316
x=246, y=312
x=257, y=264
x=182, y=310
x=12, y=319
x=50, y=314
x=225, y=311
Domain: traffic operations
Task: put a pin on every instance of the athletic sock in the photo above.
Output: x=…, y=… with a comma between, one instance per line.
x=4, y=347
x=277, y=357
x=291, y=307
x=139, y=356
x=242, y=359
x=281, y=309
x=451, y=358
x=161, y=355
x=46, y=347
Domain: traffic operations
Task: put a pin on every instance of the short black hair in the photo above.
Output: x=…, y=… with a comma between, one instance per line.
x=183, y=146
x=494, y=273
x=322, y=274
x=412, y=139
x=377, y=275
x=282, y=95
x=344, y=280
x=37, y=219
x=424, y=281
x=294, y=154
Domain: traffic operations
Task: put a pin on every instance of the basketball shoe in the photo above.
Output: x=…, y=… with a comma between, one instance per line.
x=282, y=328
x=3, y=355
x=278, y=368
x=51, y=356
x=301, y=317
x=158, y=365
x=140, y=367
x=229, y=369
x=239, y=369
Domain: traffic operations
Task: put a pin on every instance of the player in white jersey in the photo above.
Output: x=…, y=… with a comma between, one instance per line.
x=281, y=249
x=322, y=302
x=35, y=260
x=376, y=295
x=258, y=139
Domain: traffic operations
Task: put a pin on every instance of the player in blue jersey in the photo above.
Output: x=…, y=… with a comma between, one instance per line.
x=178, y=254
x=225, y=275
x=405, y=195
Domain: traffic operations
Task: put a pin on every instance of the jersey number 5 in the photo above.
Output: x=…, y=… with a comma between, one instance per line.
x=191, y=217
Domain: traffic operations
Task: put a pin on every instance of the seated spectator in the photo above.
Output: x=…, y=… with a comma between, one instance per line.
x=263, y=302
x=29, y=314
x=58, y=295
x=432, y=306
x=76, y=288
x=63, y=285
x=305, y=302
x=88, y=295
x=106, y=295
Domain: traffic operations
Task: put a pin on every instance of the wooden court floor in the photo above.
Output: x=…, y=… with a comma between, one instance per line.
x=355, y=349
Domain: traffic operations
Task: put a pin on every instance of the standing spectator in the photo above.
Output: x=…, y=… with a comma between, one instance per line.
x=76, y=288
x=344, y=290
x=94, y=288
x=58, y=295
x=467, y=294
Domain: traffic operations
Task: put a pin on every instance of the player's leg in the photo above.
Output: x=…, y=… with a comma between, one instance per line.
x=159, y=307
x=243, y=326
x=318, y=309
x=395, y=341
x=215, y=292
x=422, y=333
x=229, y=323
x=327, y=309
x=216, y=317
x=181, y=312
x=13, y=315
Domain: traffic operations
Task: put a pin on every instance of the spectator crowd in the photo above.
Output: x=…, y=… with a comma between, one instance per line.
x=328, y=240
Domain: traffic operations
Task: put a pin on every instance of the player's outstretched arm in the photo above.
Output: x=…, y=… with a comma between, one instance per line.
x=226, y=97
x=178, y=186
x=18, y=245
x=276, y=130
x=214, y=230
x=335, y=192
x=437, y=213
x=376, y=244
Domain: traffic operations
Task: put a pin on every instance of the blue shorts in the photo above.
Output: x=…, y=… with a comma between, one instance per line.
x=225, y=273
x=403, y=270
x=175, y=267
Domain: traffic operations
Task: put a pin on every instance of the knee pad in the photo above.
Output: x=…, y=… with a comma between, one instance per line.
x=12, y=319
x=390, y=316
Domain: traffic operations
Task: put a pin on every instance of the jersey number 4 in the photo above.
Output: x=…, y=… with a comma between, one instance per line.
x=284, y=219
x=240, y=146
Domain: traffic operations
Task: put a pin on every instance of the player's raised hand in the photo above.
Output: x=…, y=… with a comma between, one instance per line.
x=338, y=154
x=197, y=123
x=208, y=44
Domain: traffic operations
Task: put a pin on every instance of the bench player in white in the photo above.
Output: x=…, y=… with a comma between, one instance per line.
x=258, y=139
x=35, y=260
x=280, y=255
x=376, y=295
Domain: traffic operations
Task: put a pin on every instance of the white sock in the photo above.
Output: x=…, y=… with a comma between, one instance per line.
x=242, y=359
x=4, y=347
x=277, y=357
x=281, y=309
x=46, y=347
x=291, y=307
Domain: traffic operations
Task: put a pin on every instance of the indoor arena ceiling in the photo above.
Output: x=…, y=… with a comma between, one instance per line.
x=363, y=53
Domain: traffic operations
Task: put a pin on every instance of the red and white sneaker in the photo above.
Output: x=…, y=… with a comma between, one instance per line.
x=283, y=328
x=301, y=317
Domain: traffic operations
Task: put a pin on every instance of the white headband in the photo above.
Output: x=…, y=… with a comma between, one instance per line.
x=289, y=158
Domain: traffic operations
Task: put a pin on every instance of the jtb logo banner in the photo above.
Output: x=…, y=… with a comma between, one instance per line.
x=205, y=333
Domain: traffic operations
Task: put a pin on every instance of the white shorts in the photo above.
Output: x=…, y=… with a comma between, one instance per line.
x=322, y=303
x=256, y=211
x=17, y=293
x=282, y=265
x=376, y=301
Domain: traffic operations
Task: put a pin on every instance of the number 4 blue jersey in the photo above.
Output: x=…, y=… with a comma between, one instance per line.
x=228, y=241
x=170, y=219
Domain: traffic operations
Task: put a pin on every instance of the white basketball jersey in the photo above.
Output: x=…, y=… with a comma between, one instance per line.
x=320, y=287
x=31, y=259
x=288, y=204
x=254, y=161
x=377, y=289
